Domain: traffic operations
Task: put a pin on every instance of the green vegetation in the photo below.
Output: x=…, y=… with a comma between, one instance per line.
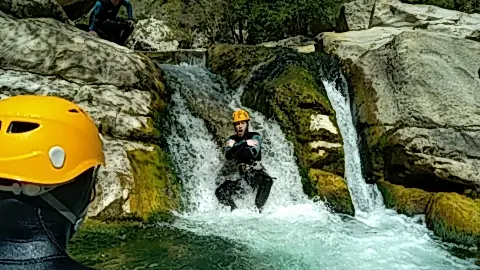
x=156, y=189
x=229, y=21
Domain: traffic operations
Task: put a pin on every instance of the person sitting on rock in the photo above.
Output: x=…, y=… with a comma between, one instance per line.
x=105, y=23
x=245, y=149
x=51, y=152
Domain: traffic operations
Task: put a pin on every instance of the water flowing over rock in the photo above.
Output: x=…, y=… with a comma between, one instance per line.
x=121, y=90
x=286, y=85
x=413, y=77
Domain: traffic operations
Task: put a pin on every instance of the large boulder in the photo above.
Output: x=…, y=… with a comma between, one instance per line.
x=34, y=9
x=121, y=90
x=367, y=14
x=287, y=86
x=468, y=6
x=416, y=102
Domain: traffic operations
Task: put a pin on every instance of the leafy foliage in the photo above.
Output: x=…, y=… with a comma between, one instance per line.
x=251, y=21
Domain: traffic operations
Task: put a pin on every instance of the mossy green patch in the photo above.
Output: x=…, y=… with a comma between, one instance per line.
x=156, y=188
x=333, y=190
x=407, y=201
x=235, y=62
x=292, y=98
x=133, y=245
x=454, y=218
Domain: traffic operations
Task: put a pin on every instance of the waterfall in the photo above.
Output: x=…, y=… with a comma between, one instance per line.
x=292, y=232
x=365, y=197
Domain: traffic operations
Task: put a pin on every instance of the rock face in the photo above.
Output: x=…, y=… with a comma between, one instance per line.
x=121, y=90
x=415, y=100
x=367, y=14
x=34, y=9
x=413, y=77
x=286, y=85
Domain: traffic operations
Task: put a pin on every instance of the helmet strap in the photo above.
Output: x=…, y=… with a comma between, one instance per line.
x=60, y=207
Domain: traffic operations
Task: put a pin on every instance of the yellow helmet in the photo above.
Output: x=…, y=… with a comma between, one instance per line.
x=240, y=115
x=46, y=140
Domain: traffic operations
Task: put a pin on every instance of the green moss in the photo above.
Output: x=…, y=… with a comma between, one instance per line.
x=235, y=62
x=333, y=190
x=293, y=97
x=407, y=201
x=455, y=218
x=156, y=188
x=132, y=245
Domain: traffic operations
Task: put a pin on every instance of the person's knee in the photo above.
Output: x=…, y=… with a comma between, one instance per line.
x=266, y=180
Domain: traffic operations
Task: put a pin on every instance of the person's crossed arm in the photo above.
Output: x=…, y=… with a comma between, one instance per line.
x=232, y=148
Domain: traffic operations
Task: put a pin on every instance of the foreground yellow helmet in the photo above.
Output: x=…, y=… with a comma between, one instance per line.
x=46, y=140
x=240, y=115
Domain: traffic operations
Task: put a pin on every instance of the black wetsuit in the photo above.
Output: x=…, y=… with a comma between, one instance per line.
x=105, y=22
x=31, y=238
x=33, y=235
x=248, y=160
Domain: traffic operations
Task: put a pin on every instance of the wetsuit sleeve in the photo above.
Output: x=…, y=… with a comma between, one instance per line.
x=256, y=149
x=129, y=7
x=231, y=151
x=96, y=10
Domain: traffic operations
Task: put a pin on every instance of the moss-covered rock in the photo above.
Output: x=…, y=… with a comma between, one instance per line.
x=454, y=218
x=407, y=201
x=133, y=245
x=236, y=62
x=333, y=190
x=298, y=103
x=156, y=189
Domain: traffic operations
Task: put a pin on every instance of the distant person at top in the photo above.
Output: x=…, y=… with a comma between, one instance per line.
x=105, y=24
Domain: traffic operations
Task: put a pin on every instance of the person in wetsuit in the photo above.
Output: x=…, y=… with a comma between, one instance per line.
x=50, y=154
x=105, y=23
x=245, y=149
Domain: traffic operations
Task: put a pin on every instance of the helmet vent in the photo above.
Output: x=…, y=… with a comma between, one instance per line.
x=21, y=127
x=73, y=110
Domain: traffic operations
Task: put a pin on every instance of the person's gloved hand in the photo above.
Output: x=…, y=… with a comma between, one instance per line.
x=230, y=143
x=131, y=23
x=252, y=143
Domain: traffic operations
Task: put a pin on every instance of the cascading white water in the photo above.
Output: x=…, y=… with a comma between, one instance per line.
x=365, y=197
x=292, y=232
